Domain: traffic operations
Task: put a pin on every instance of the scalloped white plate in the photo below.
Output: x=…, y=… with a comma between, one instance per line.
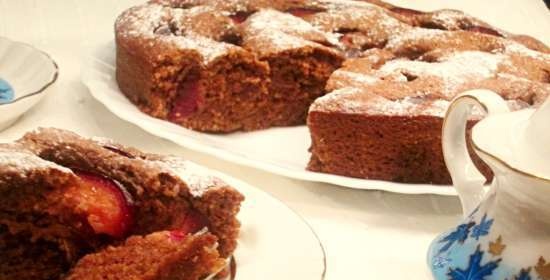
x=283, y=151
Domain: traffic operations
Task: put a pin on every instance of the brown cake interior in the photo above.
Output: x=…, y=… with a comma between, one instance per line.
x=231, y=96
x=166, y=255
x=406, y=158
x=297, y=79
x=23, y=259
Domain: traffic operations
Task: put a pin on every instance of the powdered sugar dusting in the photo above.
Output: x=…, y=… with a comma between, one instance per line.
x=198, y=179
x=362, y=15
x=357, y=101
x=102, y=140
x=208, y=48
x=275, y=41
x=272, y=21
x=142, y=22
x=519, y=49
x=269, y=19
x=342, y=78
x=454, y=70
x=22, y=161
x=453, y=19
x=448, y=18
x=358, y=77
x=413, y=35
x=419, y=105
x=340, y=100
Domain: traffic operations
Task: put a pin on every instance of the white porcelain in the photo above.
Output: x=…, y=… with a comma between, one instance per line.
x=275, y=243
x=283, y=151
x=26, y=74
x=505, y=233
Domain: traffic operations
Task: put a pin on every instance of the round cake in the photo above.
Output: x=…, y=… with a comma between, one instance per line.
x=370, y=79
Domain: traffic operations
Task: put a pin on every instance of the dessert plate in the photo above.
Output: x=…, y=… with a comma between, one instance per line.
x=283, y=151
x=267, y=248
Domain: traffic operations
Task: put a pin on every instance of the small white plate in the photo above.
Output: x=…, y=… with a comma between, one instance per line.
x=283, y=151
x=275, y=243
x=26, y=74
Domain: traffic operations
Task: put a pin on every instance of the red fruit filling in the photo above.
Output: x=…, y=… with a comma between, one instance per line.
x=347, y=40
x=304, y=12
x=191, y=222
x=107, y=207
x=187, y=100
x=484, y=30
x=240, y=17
x=405, y=11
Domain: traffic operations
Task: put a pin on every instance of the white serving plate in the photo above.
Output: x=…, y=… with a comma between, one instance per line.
x=26, y=75
x=283, y=151
x=275, y=243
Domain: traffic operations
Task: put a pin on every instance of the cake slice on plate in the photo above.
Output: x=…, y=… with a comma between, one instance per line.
x=75, y=197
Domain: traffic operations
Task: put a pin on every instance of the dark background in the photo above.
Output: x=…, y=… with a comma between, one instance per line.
x=547, y=3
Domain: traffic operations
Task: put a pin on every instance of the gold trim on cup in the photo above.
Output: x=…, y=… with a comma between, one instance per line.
x=484, y=152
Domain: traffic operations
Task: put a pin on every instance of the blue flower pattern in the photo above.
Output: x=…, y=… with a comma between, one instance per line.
x=475, y=270
x=459, y=235
x=441, y=261
x=524, y=274
x=482, y=228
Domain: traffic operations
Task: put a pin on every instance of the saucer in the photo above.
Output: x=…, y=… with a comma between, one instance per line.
x=26, y=74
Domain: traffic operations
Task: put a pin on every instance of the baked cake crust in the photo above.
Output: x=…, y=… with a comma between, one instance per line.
x=367, y=75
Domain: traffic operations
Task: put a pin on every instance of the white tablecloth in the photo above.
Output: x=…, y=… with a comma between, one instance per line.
x=366, y=234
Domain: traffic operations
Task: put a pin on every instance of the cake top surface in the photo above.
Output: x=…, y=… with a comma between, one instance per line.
x=357, y=101
x=428, y=55
x=453, y=70
x=155, y=24
x=68, y=147
x=425, y=85
x=12, y=158
x=199, y=179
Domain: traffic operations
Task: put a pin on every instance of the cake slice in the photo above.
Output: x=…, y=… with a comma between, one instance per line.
x=64, y=197
x=383, y=117
x=164, y=189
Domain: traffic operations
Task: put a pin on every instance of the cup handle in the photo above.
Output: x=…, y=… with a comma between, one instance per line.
x=467, y=179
